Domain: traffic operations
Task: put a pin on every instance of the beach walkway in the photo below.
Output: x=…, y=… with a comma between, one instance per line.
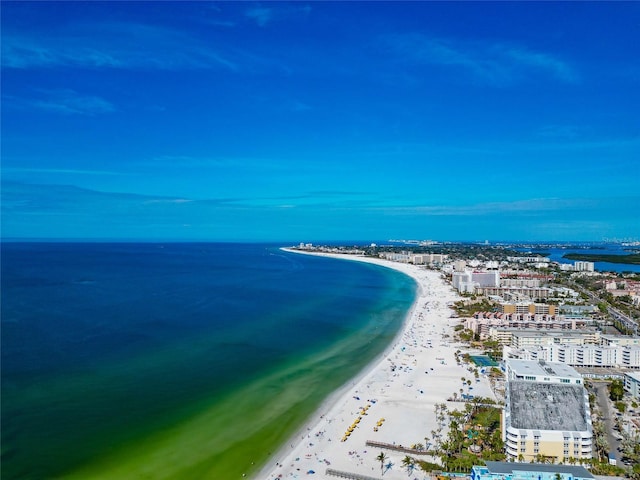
x=350, y=476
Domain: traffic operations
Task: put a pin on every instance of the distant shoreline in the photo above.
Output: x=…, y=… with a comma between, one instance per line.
x=631, y=259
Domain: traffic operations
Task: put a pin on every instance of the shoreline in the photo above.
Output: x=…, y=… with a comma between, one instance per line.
x=402, y=385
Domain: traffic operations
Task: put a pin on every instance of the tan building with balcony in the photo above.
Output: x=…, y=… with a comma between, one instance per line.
x=530, y=308
x=546, y=419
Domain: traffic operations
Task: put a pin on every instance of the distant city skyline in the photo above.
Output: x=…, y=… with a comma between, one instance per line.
x=275, y=121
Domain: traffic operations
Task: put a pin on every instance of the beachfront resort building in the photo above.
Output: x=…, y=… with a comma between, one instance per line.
x=537, y=333
x=428, y=258
x=516, y=293
x=520, y=282
x=462, y=282
x=467, y=281
x=584, y=356
x=541, y=371
x=530, y=339
x=529, y=471
x=503, y=326
x=546, y=420
x=528, y=307
x=415, y=258
x=546, y=413
x=576, y=348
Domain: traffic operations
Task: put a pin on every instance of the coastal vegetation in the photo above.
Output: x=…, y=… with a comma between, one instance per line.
x=631, y=259
x=469, y=306
x=473, y=437
x=616, y=390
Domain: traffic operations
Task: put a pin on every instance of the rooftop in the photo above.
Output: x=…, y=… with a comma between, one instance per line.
x=547, y=406
x=583, y=332
x=509, y=467
x=540, y=367
x=553, y=334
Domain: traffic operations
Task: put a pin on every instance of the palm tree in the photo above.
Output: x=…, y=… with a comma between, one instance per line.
x=409, y=463
x=382, y=458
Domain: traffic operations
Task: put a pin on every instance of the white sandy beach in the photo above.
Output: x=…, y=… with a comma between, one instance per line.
x=403, y=387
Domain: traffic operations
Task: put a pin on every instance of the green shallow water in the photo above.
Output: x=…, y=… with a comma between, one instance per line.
x=237, y=434
x=186, y=361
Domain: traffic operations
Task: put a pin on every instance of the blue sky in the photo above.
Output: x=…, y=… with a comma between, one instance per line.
x=321, y=120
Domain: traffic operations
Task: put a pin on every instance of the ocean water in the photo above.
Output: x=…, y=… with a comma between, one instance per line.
x=177, y=361
x=557, y=255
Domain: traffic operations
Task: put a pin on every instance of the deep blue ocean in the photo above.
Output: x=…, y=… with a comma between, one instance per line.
x=109, y=345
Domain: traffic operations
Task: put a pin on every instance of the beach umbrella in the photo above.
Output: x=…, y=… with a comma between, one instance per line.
x=310, y=472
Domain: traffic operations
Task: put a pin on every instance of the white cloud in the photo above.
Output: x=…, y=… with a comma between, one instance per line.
x=64, y=171
x=120, y=45
x=491, y=63
x=492, y=208
x=63, y=101
x=261, y=15
x=266, y=15
x=539, y=61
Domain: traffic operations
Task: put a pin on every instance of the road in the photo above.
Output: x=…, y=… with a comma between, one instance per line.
x=608, y=417
x=627, y=321
x=624, y=319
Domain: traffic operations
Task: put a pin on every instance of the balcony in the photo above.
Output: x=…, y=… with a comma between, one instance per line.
x=513, y=452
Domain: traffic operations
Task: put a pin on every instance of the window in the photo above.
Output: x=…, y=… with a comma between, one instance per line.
x=565, y=380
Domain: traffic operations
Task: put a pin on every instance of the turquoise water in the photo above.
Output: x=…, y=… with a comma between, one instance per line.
x=177, y=360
